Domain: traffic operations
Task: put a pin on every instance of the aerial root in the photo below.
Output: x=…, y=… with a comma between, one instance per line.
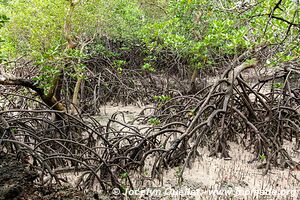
x=230, y=110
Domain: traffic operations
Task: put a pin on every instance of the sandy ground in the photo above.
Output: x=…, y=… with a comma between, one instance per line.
x=215, y=178
x=210, y=174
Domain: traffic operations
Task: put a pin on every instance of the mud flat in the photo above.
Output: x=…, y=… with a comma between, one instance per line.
x=210, y=177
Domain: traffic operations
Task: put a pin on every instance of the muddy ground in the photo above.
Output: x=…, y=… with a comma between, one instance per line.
x=18, y=179
x=18, y=182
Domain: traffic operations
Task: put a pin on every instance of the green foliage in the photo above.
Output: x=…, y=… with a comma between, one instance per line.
x=154, y=121
x=162, y=98
x=250, y=62
x=278, y=85
x=123, y=19
x=178, y=171
x=3, y=20
x=262, y=157
x=124, y=175
x=119, y=65
x=200, y=30
x=195, y=29
x=148, y=67
x=201, y=33
x=46, y=78
x=35, y=26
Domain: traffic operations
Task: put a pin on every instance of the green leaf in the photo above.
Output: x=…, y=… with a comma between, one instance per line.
x=262, y=157
x=124, y=175
x=154, y=121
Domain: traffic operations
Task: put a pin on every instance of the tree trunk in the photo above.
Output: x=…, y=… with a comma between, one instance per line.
x=193, y=88
x=49, y=100
x=72, y=45
x=75, y=96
